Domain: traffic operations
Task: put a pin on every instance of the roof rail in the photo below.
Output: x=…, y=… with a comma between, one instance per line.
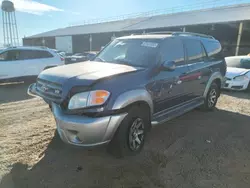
x=42, y=47
x=179, y=33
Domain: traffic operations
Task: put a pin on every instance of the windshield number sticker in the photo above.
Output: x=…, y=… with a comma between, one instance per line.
x=150, y=44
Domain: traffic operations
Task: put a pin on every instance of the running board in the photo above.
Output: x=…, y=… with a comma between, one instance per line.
x=166, y=115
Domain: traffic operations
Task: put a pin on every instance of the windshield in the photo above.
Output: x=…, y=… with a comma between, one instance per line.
x=135, y=52
x=239, y=62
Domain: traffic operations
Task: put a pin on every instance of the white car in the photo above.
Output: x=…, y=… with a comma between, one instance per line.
x=238, y=73
x=19, y=63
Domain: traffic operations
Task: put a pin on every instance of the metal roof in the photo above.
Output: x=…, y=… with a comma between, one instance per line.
x=217, y=15
x=214, y=15
x=114, y=26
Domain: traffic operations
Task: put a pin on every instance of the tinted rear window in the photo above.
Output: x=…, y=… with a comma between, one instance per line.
x=194, y=51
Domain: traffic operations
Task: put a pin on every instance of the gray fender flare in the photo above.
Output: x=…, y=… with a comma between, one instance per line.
x=132, y=96
x=214, y=76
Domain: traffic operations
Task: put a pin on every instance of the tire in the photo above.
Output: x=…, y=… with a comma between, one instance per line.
x=125, y=141
x=248, y=87
x=211, y=98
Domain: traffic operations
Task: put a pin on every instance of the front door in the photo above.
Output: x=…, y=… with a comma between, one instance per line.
x=169, y=88
x=10, y=65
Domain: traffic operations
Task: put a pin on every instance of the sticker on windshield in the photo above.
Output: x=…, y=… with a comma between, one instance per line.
x=150, y=44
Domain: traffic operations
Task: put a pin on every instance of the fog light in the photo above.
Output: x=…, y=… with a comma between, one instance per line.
x=72, y=136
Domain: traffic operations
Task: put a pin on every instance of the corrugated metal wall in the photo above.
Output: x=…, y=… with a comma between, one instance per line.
x=226, y=33
x=48, y=42
x=80, y=43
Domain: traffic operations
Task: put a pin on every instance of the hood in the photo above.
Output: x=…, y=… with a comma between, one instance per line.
x=232, y=72
x=84, y=73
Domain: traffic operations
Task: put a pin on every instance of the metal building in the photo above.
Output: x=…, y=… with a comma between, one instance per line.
x=229, y=24
x=10, y=33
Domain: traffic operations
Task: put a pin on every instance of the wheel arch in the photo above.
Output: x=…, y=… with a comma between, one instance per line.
x=134, y=97
x=217, y=78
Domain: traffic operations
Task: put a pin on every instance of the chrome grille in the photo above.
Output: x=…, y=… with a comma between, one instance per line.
x=49, y=90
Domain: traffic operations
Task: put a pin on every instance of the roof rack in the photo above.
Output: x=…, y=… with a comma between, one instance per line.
x=42, y=47
x=178, y=33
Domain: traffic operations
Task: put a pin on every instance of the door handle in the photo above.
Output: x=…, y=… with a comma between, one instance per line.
x=177, y=81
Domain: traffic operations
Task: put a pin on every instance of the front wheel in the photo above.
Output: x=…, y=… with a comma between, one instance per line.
x=211, y=98
x=130, y=136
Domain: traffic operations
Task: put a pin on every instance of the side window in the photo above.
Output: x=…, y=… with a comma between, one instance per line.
x=26, y=54
x=245, y=63
x=3, y=56
x=34, y=54
x=172, y=50
x=214, y=50
x=194, y=51
x=13, y=55
x=39, y=54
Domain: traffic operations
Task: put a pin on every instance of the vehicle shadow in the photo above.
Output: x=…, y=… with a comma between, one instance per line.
x=183, y=153
x=11, y=92
x=238, y=94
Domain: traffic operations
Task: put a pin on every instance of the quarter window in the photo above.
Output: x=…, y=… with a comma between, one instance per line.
x=214, y=50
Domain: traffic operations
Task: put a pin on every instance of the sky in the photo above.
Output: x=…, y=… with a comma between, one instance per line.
x=37, y=16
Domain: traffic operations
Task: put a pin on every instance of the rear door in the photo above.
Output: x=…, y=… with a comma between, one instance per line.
x=199, y=70
x=35, y=61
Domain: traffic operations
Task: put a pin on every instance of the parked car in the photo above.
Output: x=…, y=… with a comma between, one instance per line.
x=20, y=63
x=79, y=57
x=135, y=83
x=61, y=53
x=238, y=73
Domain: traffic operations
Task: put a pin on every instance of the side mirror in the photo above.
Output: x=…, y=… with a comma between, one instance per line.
x=168, y=65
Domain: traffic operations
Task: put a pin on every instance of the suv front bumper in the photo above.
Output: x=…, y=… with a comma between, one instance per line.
x=86, y=131
x=82, y=130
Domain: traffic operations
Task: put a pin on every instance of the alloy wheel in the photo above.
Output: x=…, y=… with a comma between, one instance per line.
x=136, y=134
x=212, y=98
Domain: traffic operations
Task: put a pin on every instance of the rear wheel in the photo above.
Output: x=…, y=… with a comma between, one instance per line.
x=248, y=87
x=211, y=98
x=130, y=136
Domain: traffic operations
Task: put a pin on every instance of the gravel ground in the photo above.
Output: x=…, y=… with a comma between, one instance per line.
x=198, y=149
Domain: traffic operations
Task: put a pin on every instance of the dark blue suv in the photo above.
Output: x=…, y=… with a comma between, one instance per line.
x=134, y=83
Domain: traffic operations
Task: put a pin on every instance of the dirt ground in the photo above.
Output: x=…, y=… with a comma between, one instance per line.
x=196, y=150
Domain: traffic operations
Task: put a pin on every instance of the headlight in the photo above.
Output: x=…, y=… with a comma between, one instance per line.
x=241, y=78
x=87, y=99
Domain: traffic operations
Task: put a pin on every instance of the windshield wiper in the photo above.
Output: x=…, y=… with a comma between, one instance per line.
x=99, y=59
x=122, y=61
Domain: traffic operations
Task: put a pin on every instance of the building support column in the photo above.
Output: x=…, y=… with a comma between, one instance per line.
x=90, y=42
x=184, y=29
x=239, y=38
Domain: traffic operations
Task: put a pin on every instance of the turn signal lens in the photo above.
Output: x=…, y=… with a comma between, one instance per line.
x=98, y=97
x=88, y=99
